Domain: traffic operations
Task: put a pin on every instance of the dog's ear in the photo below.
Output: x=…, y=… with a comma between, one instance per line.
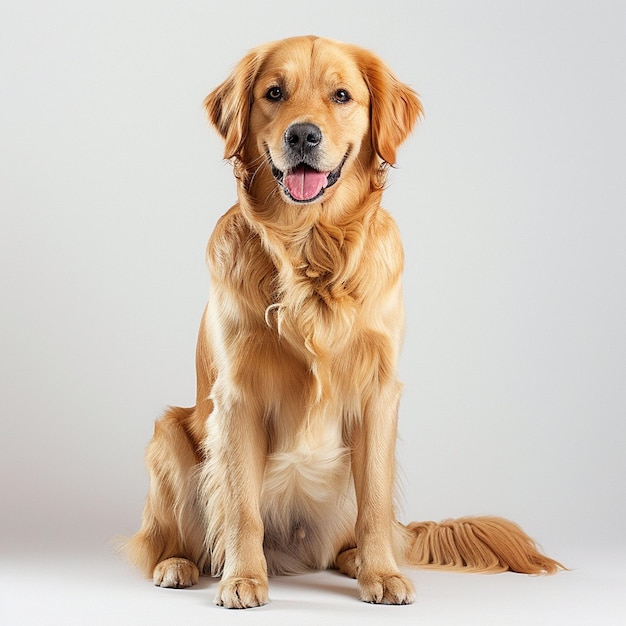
x=394, y=107
x=228, y=105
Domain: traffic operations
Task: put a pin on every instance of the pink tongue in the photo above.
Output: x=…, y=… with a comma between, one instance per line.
x=305, y=183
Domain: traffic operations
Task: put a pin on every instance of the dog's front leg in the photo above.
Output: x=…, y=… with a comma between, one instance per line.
x=239, y=457
x=373, y=466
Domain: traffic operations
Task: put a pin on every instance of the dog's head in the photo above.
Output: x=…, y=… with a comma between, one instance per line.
x=304, y=112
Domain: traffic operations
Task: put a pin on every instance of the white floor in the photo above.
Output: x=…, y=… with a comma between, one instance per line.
x=99, y=588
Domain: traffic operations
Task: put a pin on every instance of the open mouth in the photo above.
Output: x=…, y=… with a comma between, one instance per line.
x=304, y=183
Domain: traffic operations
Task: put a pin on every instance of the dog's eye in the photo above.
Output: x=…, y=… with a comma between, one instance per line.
x=274, y=94
x=341, y=96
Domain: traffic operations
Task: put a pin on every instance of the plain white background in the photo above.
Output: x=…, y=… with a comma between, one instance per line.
x=511, y=199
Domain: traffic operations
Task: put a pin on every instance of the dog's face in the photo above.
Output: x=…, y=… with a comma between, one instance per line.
x=309, y=116
x=304, y=114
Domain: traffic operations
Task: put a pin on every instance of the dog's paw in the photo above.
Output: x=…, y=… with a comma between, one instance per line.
x=175, y=573
x=386, y=589
x=242, y=593
x=346, y=562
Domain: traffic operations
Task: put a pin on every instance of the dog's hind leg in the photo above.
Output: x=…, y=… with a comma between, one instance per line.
x=346, y=562
x=169, y=547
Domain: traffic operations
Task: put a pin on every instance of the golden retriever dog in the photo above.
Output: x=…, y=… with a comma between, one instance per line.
x=286, y=463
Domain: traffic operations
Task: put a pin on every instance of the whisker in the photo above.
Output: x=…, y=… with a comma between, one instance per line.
x=262, y=160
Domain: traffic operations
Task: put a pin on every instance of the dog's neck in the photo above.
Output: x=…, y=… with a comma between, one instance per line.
x=318, y=268
x=317, y=251
x=313, y=245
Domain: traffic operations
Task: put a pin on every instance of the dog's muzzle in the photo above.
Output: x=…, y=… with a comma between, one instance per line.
x=304, y=181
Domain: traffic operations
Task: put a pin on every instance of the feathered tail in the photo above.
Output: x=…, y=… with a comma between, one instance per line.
x=476, y=544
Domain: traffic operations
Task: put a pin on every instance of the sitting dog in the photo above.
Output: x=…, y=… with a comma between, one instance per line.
x=286, y=463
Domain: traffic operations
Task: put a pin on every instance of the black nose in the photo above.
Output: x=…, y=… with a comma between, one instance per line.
x=302, y=138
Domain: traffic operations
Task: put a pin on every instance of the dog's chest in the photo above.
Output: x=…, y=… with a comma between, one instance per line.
x=315, y=328
x=306, y=473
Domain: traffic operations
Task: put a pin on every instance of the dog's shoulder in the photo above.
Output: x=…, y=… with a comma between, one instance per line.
x=231, y=244
x=238, y=261
x=382, y=254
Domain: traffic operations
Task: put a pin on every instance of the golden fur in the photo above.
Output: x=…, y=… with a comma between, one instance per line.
x=286, y=463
